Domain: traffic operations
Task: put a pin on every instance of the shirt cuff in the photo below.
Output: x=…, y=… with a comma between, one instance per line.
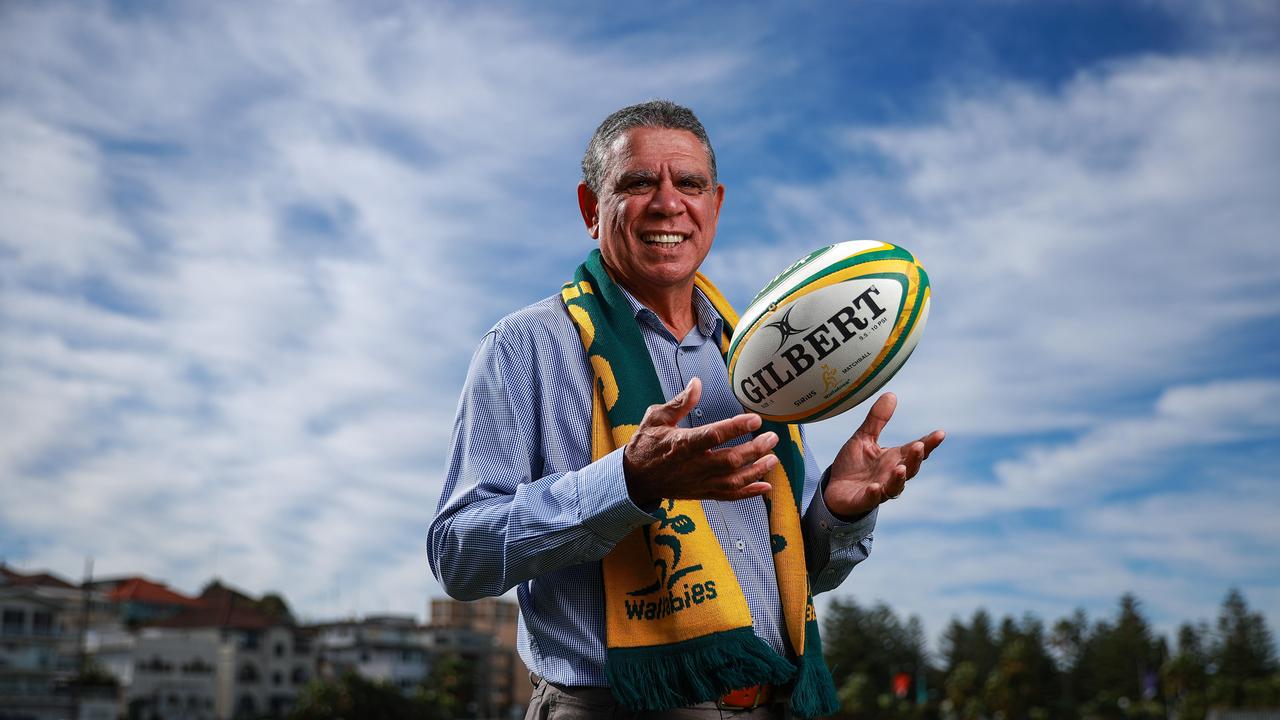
x=604, y=505
x=843, y=532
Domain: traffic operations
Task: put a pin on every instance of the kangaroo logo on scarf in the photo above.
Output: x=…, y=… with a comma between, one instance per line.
x=677, y=598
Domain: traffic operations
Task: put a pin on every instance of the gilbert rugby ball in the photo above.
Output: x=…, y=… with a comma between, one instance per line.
x=828, y=331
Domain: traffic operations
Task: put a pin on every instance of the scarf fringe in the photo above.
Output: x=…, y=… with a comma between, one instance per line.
x=693, y=671
x=814, y=693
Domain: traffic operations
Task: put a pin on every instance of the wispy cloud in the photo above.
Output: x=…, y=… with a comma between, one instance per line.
x=246, y=256
x=1106, y=297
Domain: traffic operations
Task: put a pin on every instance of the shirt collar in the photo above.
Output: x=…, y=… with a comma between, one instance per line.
x=708, y=321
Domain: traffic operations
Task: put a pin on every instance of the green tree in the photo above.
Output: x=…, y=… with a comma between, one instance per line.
x=353, y=697
x=964, y=692
x=1124, y=659
x=1186, y=674
x=1070, y=645
x=1024, y=682
x=865, y=648
x=1243, y=655
x=450, y=686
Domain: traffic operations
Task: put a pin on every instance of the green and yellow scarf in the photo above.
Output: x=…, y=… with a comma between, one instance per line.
x=677, y=625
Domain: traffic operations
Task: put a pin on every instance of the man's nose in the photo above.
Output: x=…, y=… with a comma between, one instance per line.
x=666, y=200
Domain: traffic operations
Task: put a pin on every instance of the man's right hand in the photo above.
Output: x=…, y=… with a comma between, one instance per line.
x=666, y=461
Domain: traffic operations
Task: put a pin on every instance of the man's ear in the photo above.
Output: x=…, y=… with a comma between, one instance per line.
x=589, y=206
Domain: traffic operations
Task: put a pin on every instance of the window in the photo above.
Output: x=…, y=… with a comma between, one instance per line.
x=279, y=649
x=248, y=674
x=13, y=622
x=299, y=676
x=277, y=678
x=42, y=623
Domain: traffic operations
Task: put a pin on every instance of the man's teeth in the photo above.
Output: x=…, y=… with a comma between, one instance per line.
x=664, y=239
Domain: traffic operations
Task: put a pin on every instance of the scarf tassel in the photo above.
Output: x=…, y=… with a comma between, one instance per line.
x=814, y=693
x=693, y=671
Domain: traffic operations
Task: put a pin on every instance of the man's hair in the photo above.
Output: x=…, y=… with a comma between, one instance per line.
x=656, y=114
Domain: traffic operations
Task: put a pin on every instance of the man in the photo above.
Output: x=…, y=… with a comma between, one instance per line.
x=553, y=489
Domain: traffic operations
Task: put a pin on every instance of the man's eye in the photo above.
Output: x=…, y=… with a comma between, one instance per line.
x=692, y=187
x=636, y=186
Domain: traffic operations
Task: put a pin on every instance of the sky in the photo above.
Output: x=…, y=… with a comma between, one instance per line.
x=247, y=251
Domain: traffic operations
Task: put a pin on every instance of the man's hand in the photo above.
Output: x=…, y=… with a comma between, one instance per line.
x=666, y=461
x=865, y=474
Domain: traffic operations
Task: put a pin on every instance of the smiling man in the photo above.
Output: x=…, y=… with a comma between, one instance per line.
x=663, y=544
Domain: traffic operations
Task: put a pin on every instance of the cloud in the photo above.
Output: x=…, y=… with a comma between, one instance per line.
x=1099, y=345
x=1087, y=247
x=245, y=256
x=1174, y=506
x=245, y=259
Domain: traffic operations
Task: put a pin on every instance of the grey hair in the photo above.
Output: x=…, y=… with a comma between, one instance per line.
x=655, y=113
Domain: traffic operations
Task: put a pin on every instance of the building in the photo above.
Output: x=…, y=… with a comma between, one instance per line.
x=390, y=648
x=29, y=657
x=483, y=634
x=40, y=624
x=230, y=657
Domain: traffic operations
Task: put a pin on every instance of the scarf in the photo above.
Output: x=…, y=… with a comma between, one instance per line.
x=677, y=626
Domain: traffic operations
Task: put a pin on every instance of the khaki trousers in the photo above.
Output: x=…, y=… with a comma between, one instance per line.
x=552, y=702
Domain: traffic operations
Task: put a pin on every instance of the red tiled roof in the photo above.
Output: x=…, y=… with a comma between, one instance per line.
x=224, y=607
x=141, y=590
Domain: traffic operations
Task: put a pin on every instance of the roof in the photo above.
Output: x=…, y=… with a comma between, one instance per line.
x=142, y=590
x=223, y=607
x=40, y=579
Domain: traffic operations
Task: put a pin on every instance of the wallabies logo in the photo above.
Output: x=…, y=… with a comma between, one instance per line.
x=669, y=529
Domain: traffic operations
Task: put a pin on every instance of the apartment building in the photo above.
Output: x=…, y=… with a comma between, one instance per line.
x=227, y=658
x=483, y=634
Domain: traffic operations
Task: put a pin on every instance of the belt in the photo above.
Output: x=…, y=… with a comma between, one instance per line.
x=747, y=698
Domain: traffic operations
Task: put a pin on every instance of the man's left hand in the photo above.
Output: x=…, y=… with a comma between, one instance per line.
x=864, y=475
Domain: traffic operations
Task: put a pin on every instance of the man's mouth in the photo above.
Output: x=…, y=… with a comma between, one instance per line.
x=663, y=239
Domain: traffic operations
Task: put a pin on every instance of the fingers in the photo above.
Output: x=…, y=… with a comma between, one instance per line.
x=674, y=410
x=878, y=416
x=748, y=452
x=893, y=486
x=748, y=481
x=912, y=456
x=719, y=432
x=932, y=441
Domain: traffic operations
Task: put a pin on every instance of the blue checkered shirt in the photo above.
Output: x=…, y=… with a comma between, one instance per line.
x=524, y=506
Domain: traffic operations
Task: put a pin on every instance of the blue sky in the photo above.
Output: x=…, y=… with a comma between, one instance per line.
x=246, y=251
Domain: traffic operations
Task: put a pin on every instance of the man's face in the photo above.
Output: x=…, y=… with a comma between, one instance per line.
x=656, y=213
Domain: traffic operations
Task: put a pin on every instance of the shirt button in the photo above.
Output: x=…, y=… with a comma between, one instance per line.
x=740, y=544
x=697, y=412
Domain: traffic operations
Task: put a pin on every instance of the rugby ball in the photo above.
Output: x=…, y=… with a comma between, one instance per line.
x=828, y=331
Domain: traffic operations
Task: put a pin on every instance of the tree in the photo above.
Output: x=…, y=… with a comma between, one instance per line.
x=1243, y=655
x=1186, y=674
x=1023, y=683
x=865, y=648
x=450, y=686
x=352, y=697
x=1123, y=660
